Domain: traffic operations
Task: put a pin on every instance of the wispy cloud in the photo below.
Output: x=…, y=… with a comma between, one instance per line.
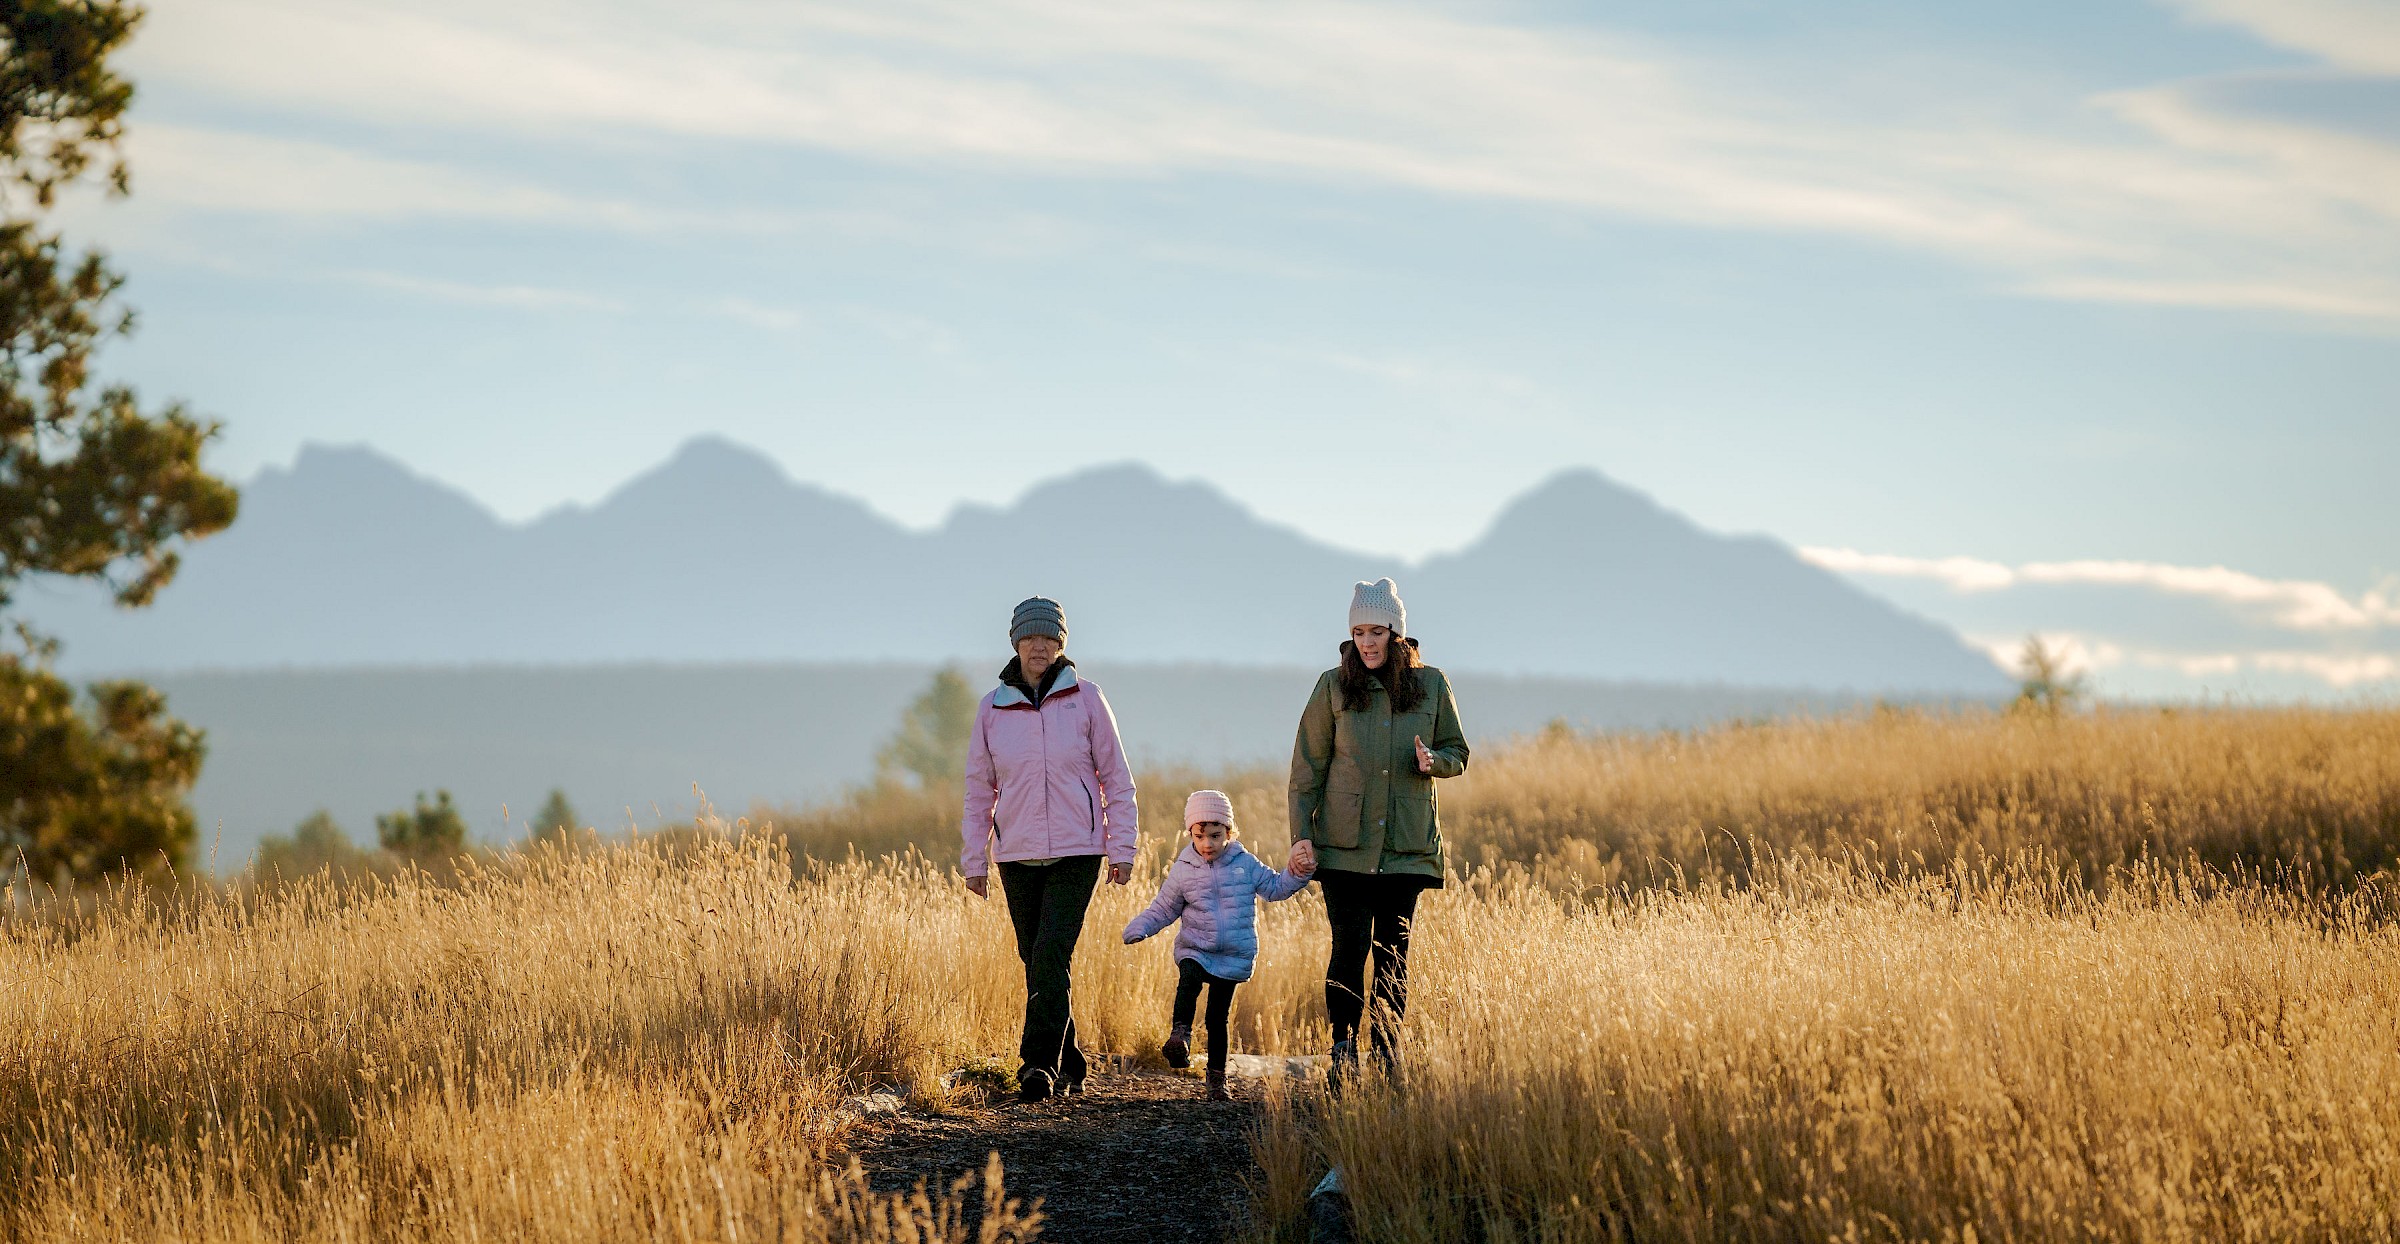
x=2355, y=34
x=2097, y=656
x=2300, y=298
x=916, y=332
x=2296, y=604
x=221, y=170
x=2188, y=204
x=211, y=169
x=1474, y=384
x=762, y=315
x=522, y=297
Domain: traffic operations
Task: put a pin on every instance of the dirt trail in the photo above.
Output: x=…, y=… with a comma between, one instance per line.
x=1139, y=1155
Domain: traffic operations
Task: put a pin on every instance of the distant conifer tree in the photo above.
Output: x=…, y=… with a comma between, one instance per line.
x=2043, y=682
x=316, y=843
x=431, y=831
x=556, y=817
x=931, y=743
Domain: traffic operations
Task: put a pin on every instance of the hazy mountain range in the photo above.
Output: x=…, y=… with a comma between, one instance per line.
x=631, y=743
x=349, y=558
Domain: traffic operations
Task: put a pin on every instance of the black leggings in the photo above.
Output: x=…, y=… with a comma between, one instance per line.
x=1370, y=913
x=1046, y=903
x=1220, y=1006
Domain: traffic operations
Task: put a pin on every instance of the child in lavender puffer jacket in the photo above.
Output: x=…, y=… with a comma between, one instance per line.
x=1213, y=887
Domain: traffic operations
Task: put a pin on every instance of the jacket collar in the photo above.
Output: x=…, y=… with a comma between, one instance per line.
x=1060, y=678
x=1225, y=856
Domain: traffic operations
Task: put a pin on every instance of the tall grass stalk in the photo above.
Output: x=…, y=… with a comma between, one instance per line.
x=1838, y=1056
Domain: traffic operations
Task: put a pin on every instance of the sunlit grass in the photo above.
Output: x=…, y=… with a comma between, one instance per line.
x=1957, y=1057
x=2119, y=976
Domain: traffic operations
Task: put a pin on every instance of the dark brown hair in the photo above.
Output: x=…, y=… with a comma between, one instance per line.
x=1398, y=675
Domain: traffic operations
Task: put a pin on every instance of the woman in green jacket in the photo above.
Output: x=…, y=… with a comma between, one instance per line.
x=1377, y=731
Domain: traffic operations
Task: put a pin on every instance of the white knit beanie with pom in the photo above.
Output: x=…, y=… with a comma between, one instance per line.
x=1207, y=805
x=1378, y=604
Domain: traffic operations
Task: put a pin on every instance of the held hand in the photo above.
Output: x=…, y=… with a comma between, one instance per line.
x=977, y=885
x=1119, y=874
x=1424, y=756
x=1303, y=861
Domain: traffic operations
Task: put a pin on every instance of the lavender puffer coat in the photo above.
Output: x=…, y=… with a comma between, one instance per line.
x=1218, y=903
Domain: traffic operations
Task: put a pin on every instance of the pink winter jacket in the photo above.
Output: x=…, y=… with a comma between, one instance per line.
x=1048, y=781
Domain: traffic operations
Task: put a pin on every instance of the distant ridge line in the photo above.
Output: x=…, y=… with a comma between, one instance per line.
x=348, y=558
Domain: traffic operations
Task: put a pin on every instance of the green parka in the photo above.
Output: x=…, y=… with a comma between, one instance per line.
x=1356, y=792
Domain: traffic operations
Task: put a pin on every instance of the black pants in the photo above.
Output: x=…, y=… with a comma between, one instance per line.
x=1370, y=914
x=1220, y=1006
x=1046, y=903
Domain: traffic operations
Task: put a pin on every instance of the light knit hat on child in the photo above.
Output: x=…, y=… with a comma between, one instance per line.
x=1378, y=604
x=1038, y=615
x=1207, y=805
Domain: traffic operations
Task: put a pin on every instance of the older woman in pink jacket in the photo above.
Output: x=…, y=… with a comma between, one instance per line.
x=1050, y=799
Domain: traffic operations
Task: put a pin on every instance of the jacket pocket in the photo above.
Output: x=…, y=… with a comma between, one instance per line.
x=1337, y=825
x=1415, y=830
x=1091, y=805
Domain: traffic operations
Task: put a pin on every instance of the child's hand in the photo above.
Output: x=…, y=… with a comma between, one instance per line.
x=1303, y=861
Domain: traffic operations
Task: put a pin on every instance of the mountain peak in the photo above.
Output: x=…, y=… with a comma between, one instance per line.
x=344, y=464
x=708, y=463
x=1101, y=484
x=1113, y=492
x=1581, y=499
x=338, y=483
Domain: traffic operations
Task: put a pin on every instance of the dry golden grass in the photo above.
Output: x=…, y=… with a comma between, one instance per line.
x=651, y=1040
x=1833, y=1057
x=2312, y=795
x=892, y=817
x=615, y=1044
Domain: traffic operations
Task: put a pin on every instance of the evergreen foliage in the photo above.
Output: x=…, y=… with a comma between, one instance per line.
x=430, y=831
x=85, y=795
x=931, y=743
x=316, y=843
x=2043, y=682
x=91, y=486
x=557, y=816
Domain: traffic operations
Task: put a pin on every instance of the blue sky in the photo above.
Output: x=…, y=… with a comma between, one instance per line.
x=1927, y=290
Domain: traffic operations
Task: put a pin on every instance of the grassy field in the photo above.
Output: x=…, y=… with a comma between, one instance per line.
x=2118, y=976
x=2311, y=796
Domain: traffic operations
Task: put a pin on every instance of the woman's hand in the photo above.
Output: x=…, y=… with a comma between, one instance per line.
x=977, y=885
x=1119, y=874
x=1303, y=861
x=1424, y=756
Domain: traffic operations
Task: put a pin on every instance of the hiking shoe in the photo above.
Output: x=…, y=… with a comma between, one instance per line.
x=1216, y=1087
x=1178, y=1048
x=1345, y=1065
x=1033, y=1085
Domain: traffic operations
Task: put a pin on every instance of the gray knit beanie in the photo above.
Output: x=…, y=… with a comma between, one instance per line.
x=1378, y=604
x=1038, y=615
